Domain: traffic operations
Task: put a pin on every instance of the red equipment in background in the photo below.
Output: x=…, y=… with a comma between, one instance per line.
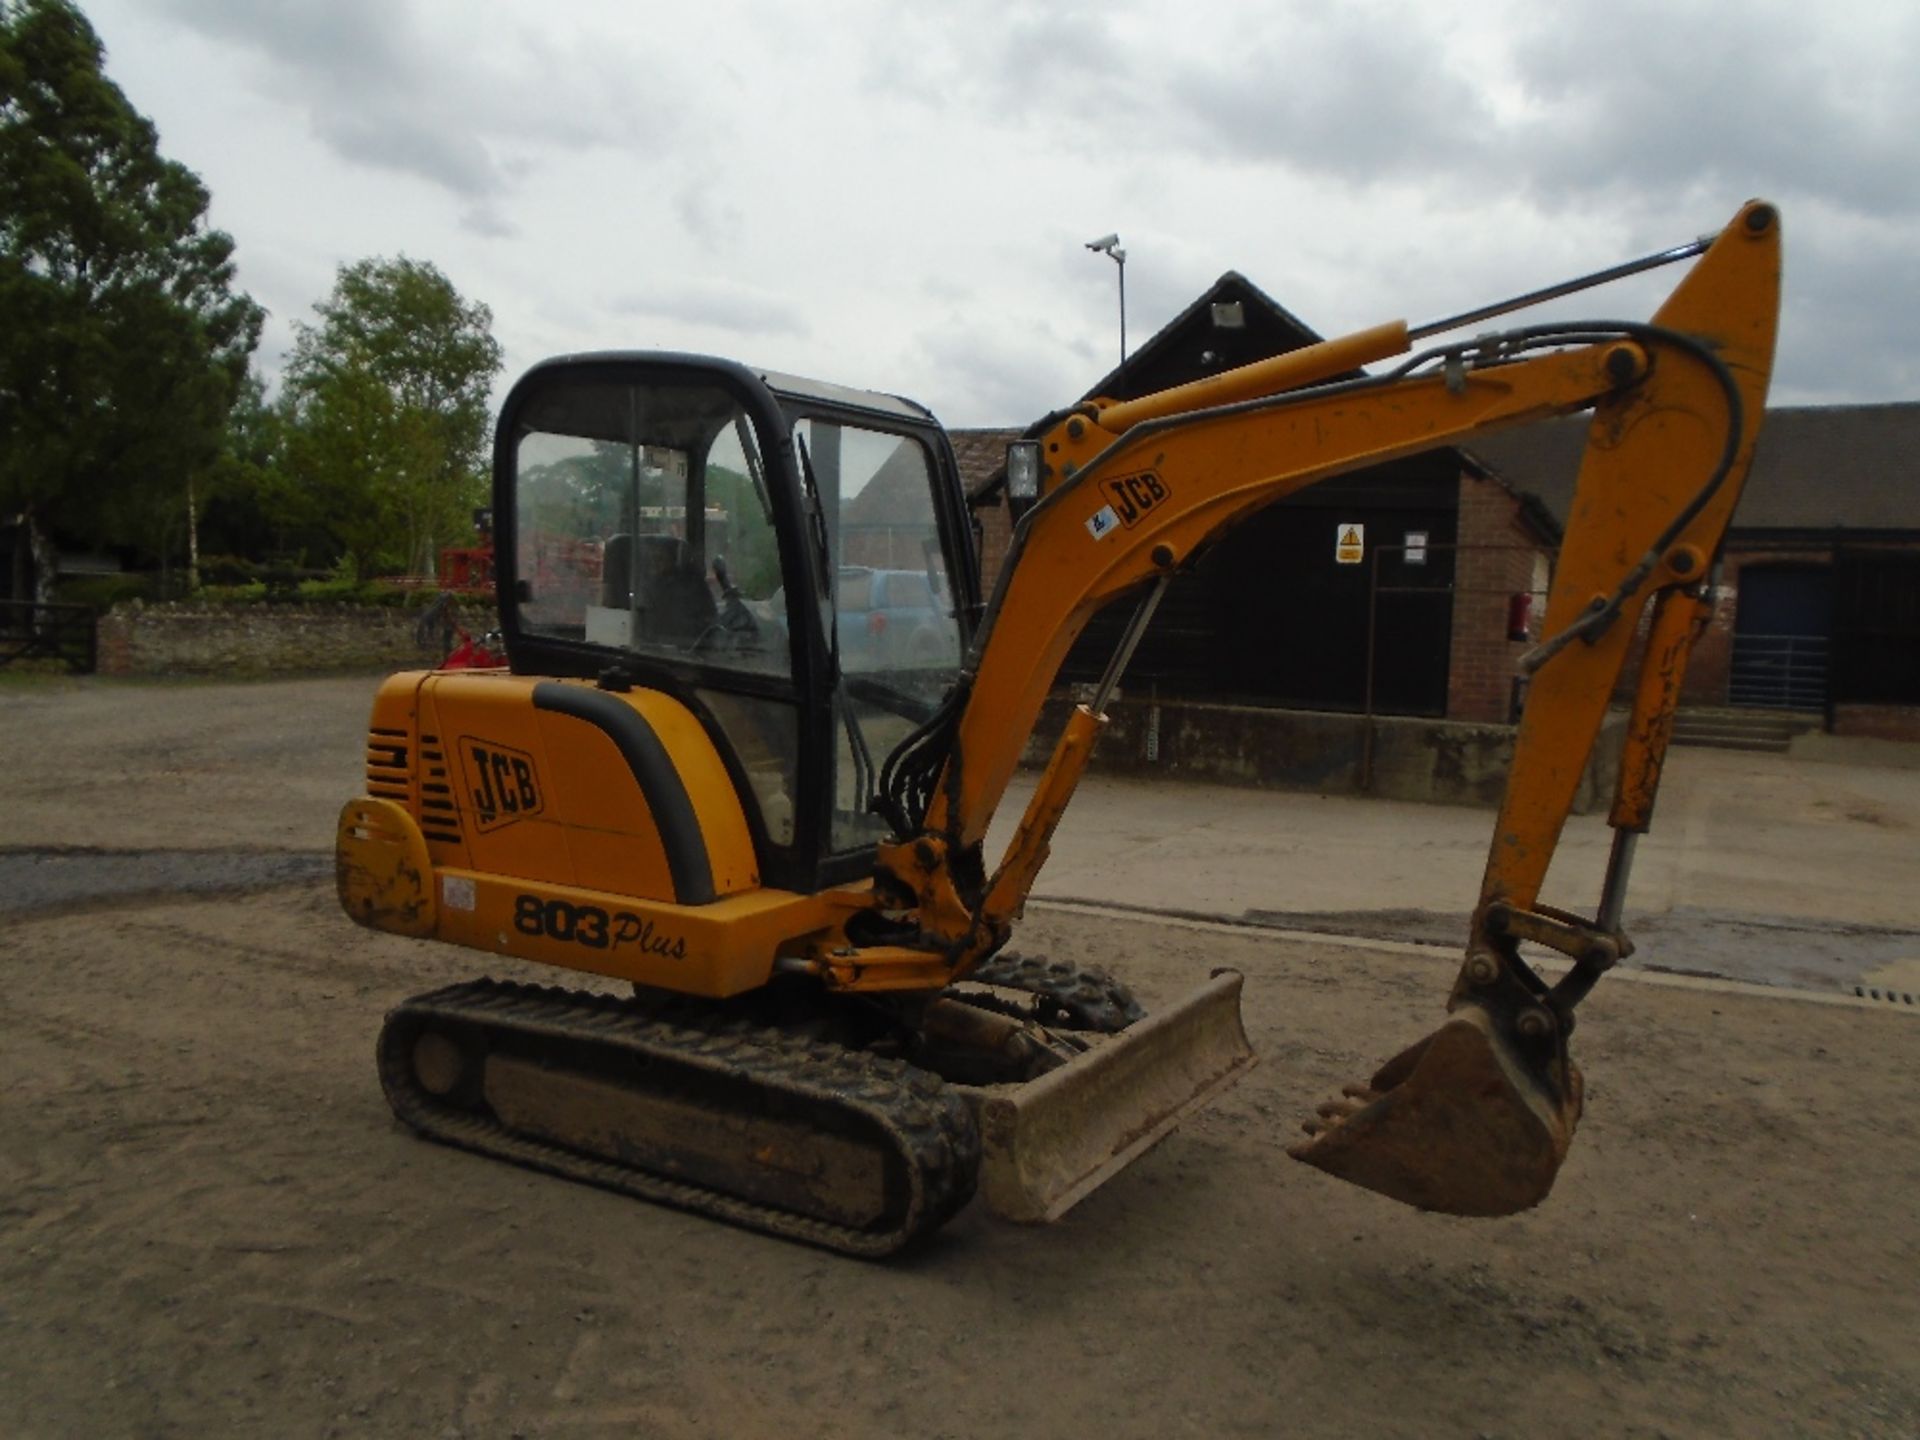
x=472, y=654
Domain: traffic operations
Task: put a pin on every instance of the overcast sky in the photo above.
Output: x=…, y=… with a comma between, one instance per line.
x=896, y=195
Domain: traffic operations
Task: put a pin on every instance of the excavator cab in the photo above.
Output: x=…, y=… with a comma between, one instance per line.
x=788, y=560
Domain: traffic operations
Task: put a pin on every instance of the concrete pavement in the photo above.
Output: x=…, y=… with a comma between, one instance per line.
x=1766, y=868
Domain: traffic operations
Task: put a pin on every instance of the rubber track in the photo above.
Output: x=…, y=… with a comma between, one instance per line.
x=931, y=1126
x=1090, y=998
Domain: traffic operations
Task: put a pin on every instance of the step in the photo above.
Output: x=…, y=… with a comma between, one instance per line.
x=1773, y=723
x=1717, y=741
x=1810, y=719
x=1750, y=732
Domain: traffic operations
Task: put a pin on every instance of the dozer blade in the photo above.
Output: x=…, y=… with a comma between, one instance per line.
x=1461, y=1123
x=1049, y=1143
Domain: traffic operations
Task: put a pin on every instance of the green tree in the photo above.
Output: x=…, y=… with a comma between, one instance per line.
x=122, y=340
x=387, y=400
x=248, y=507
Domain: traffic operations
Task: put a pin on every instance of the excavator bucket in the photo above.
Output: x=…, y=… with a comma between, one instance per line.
x=1049, y=1143
x=1461, y=1123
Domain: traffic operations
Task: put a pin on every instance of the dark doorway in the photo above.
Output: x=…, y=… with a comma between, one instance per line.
x=1268, y=615
x=1781, y=642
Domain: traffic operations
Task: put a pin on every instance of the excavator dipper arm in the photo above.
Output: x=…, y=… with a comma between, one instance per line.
x=1664, y=467
x=1476, y=1119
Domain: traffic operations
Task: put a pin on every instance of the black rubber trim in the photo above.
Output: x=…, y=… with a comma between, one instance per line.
x=665, y=791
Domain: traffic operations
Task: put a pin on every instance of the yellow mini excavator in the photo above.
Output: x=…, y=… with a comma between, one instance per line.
x=757, y=718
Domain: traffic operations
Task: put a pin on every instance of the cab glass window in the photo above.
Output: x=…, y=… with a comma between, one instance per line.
x=889, y=612
x=643, y=524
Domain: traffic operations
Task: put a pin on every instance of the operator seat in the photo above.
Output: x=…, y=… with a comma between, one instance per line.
x=675, y=606
x=616, y=571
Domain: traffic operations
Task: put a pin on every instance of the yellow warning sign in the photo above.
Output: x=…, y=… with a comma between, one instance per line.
x=1349, y=543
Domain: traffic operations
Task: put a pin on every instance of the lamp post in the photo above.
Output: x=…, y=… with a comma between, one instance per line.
x=1109, y=245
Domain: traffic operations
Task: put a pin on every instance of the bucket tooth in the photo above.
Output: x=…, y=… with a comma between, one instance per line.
x=1049, y=1143
x=1460, y=1123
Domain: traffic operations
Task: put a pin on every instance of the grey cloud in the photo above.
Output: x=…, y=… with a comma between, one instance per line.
x=366, y=35
x=1763, y=99
x=1322, y=90
x=1851, y=308
x=1635, y=104
x=486, y=220
x=382, y=89
x=1331, y=92
x=714, y=222
x=718, y=307
x=1060, y=62
x=980, y=373
x=355, y=67
x=389, y=141
x=1643, y=121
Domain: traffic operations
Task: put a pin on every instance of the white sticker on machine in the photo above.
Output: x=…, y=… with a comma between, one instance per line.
x=456, y=892
x=1103, y=522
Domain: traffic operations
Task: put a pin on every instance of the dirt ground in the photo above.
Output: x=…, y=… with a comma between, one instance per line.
x=209, y=1223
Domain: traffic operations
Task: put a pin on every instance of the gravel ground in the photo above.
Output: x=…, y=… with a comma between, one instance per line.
x=209, y=1223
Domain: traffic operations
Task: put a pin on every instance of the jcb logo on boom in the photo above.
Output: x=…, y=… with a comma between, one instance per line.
x=1134, y=495
x=502, y=786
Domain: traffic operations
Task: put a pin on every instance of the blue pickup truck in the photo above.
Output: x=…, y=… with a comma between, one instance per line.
x=894, y=620
x=888, y=620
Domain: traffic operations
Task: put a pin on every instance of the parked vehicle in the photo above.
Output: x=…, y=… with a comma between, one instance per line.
x=887, y=620
x=894, y=620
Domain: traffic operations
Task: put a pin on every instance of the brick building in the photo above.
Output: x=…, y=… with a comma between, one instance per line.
x=1817, y=604
x=1269, y=615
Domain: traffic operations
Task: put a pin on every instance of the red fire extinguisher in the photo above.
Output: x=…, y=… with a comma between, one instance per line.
x=1520, y=615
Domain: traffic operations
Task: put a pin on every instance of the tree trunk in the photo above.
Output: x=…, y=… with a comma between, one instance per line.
x=193, y=543
x=42, y=563
x=22, y=567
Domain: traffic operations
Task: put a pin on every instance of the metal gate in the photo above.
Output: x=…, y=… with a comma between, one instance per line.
x=1779, y=672
x=1781, y=638
x=47, y=632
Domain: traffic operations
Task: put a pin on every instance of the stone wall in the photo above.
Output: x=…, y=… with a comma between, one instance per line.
x=1878, y=722
x=1446, y=762
x=191, y=638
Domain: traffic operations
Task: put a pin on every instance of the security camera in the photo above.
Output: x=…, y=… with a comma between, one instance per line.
x=1105, y=242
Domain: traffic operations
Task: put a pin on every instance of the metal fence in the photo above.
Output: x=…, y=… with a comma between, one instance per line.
x=47, y=632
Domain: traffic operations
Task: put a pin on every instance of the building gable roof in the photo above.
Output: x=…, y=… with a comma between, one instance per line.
x=1816, y=468
x=1232, y=322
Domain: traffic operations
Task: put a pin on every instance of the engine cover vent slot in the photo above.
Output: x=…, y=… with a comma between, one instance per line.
x=388, y=773
x=439, y=811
